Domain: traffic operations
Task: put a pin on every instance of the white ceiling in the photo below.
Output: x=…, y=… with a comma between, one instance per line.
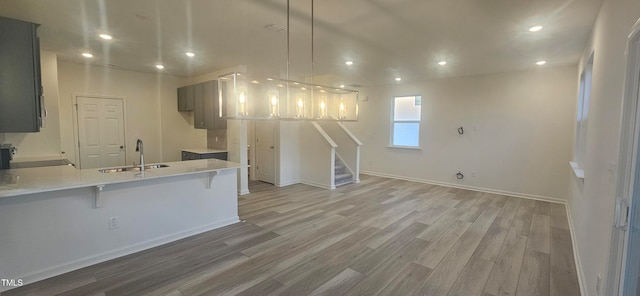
x=384, y=38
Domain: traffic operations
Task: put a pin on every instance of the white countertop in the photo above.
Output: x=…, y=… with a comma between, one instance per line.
x=15, y=182
x=203, y=150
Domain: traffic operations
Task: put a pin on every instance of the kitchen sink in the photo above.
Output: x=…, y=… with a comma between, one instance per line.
x=133, y=168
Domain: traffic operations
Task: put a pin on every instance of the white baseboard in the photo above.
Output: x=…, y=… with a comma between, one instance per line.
x=288, y=183
x=316, y=184
x=243, y=192
x=474, y=188
x=88, y=261
x=576, y=256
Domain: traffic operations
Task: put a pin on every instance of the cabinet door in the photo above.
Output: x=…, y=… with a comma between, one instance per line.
x=219, y=122
x=199, y=111
x=20, y=87
x=210, y=88
x=185, y=98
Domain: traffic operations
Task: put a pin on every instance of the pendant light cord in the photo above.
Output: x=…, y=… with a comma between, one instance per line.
x=288, y=43
x=312, y=39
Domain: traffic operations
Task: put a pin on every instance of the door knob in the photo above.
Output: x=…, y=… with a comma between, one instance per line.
x=121, y=147
x=271, y=147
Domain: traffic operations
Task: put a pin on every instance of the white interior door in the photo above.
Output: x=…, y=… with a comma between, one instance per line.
x=265, y=151
x=101, y=132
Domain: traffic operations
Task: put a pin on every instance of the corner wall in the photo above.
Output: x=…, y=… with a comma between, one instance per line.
x=592, y=205
x=518, y=131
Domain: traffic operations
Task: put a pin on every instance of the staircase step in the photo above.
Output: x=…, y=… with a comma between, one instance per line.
x=340, y=169
x=341, y=179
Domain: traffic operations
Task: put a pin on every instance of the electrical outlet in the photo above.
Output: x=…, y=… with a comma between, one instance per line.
x=598, y=284
x=113, y=223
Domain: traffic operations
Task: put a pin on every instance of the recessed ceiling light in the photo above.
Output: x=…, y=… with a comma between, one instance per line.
x=398, y=78
x=442, y=63
x=159, y=66
x=106, y=36
x=190, y=54
x=540, y=63
x=535, y=28
x=255, y=81
x=349, y=63
x=270, y=79
x=341, y=85
x=87, y=55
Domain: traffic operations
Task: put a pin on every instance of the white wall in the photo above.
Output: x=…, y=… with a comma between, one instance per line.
x=151, y=109
x=522, y=144
x=592, y=206
x=47, y=141
x=289, y=153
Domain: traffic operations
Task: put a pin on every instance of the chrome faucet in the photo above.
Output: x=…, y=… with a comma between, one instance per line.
x=140, y=148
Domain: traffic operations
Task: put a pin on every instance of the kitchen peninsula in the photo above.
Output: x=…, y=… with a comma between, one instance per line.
x=57, y=219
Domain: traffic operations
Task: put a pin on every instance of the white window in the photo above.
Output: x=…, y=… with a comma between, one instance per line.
x=405, y=121
x=584, y=97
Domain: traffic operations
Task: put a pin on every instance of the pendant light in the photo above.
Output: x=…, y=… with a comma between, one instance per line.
x=248, y=97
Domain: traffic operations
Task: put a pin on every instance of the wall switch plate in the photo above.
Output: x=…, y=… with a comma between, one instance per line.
x=473, y=173
x=113, y=223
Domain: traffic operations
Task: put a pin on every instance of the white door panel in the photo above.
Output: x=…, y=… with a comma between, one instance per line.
x=265, y=152
x=101, y=132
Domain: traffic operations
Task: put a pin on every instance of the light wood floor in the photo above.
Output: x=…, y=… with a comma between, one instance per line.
x=379, y=237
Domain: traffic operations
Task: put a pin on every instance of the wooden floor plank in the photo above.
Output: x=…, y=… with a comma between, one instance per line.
x=503, y=279
x=534, y=277
x=339, y=284
x=564, y=279
x=407, y=281
x=540, y=233
x=446, y=273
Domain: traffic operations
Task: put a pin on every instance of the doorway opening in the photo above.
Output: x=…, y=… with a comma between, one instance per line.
x=262, y=139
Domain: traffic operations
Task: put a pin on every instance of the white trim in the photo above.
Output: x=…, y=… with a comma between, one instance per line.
x=577, y=171
x=243, y=192
x=288, y=183
x=474, y=188
x=576, y=256
x=405, y=147
x=316, y=184
x=91, y=260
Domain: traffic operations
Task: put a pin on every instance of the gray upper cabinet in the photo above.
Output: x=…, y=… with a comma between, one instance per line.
x=20, y=83
x=202, y=99
x=185, y=99
x=199, y=111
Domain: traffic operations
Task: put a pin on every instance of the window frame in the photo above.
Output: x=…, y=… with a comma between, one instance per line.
x=582, y=114
x=393, y=121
